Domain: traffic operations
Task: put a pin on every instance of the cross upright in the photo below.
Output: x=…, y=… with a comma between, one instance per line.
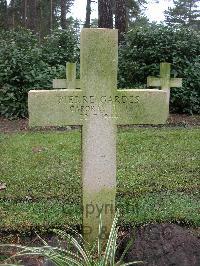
x=164, y=81
x=98, y=107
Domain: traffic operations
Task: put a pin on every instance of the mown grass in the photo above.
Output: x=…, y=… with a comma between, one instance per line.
x=158, y=177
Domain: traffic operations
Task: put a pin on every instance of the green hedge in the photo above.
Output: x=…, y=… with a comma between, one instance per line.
x=144, y=49
x=25, y=64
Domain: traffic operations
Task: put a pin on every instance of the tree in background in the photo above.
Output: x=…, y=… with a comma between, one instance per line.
x=76, y=25
x=128, y=13
x=94, y=23
x=88, y=14
x=121, y=22
x=65, y=9
x=30, y=10
x=88, y=22
x=105, y=11
x=40, y=16
x=3, y=14
x=140, y=21
x=184, y=12
x=134, y=9
x=63, y=18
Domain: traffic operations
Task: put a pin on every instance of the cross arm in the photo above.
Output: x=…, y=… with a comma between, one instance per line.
x=156, y=82
x=139, y=106
x=54, y=108
x=70, y=82
x=164, y=81
x=176, y=82
x=153, y=82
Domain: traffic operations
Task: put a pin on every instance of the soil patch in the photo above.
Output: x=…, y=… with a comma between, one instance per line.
x=163, y=245
x=154, y=244
x=18, y=125
x=12, y=126
x=184, y=120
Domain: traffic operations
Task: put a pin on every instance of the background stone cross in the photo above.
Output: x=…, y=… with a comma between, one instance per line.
x=99, y=107
x=164, y=81
x=70, y=82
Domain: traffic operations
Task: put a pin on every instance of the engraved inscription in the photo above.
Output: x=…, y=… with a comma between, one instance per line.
x=105, y=105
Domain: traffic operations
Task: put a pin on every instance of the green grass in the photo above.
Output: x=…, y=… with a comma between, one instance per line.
x=158, y=177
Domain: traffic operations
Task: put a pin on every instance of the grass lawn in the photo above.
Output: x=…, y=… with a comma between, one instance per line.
x=158, y=177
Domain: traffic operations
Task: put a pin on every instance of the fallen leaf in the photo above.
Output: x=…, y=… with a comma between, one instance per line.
x=38, y=149
x=28, y=198
x=2, y=186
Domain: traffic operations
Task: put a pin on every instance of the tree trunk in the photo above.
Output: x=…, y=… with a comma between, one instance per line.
x=53, y=5
x=31, y=14
x=121, y=17
x=190, y=13
x=88, y=14
x=63, y=14
x=3, y=14
x=12, y=15
x=51, y=14
x=105, y=11
x=23, y=11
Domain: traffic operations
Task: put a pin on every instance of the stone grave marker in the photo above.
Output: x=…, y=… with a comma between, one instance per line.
x=98, y=107
x=164, y=81
x=70, y=82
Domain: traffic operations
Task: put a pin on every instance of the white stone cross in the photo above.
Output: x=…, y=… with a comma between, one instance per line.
x=98, y=107
x=164, y=81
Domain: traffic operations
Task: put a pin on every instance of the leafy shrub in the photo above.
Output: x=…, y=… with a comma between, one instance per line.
x=60, y=47
x=144, y=49
x=24, y=66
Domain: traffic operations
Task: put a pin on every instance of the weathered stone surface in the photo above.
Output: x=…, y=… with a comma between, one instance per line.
x=165, y=82
x=70, y=82
x=99, y=107
x=73, y=107
x=138, y=106
x=99, y=78
x=52, y=108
